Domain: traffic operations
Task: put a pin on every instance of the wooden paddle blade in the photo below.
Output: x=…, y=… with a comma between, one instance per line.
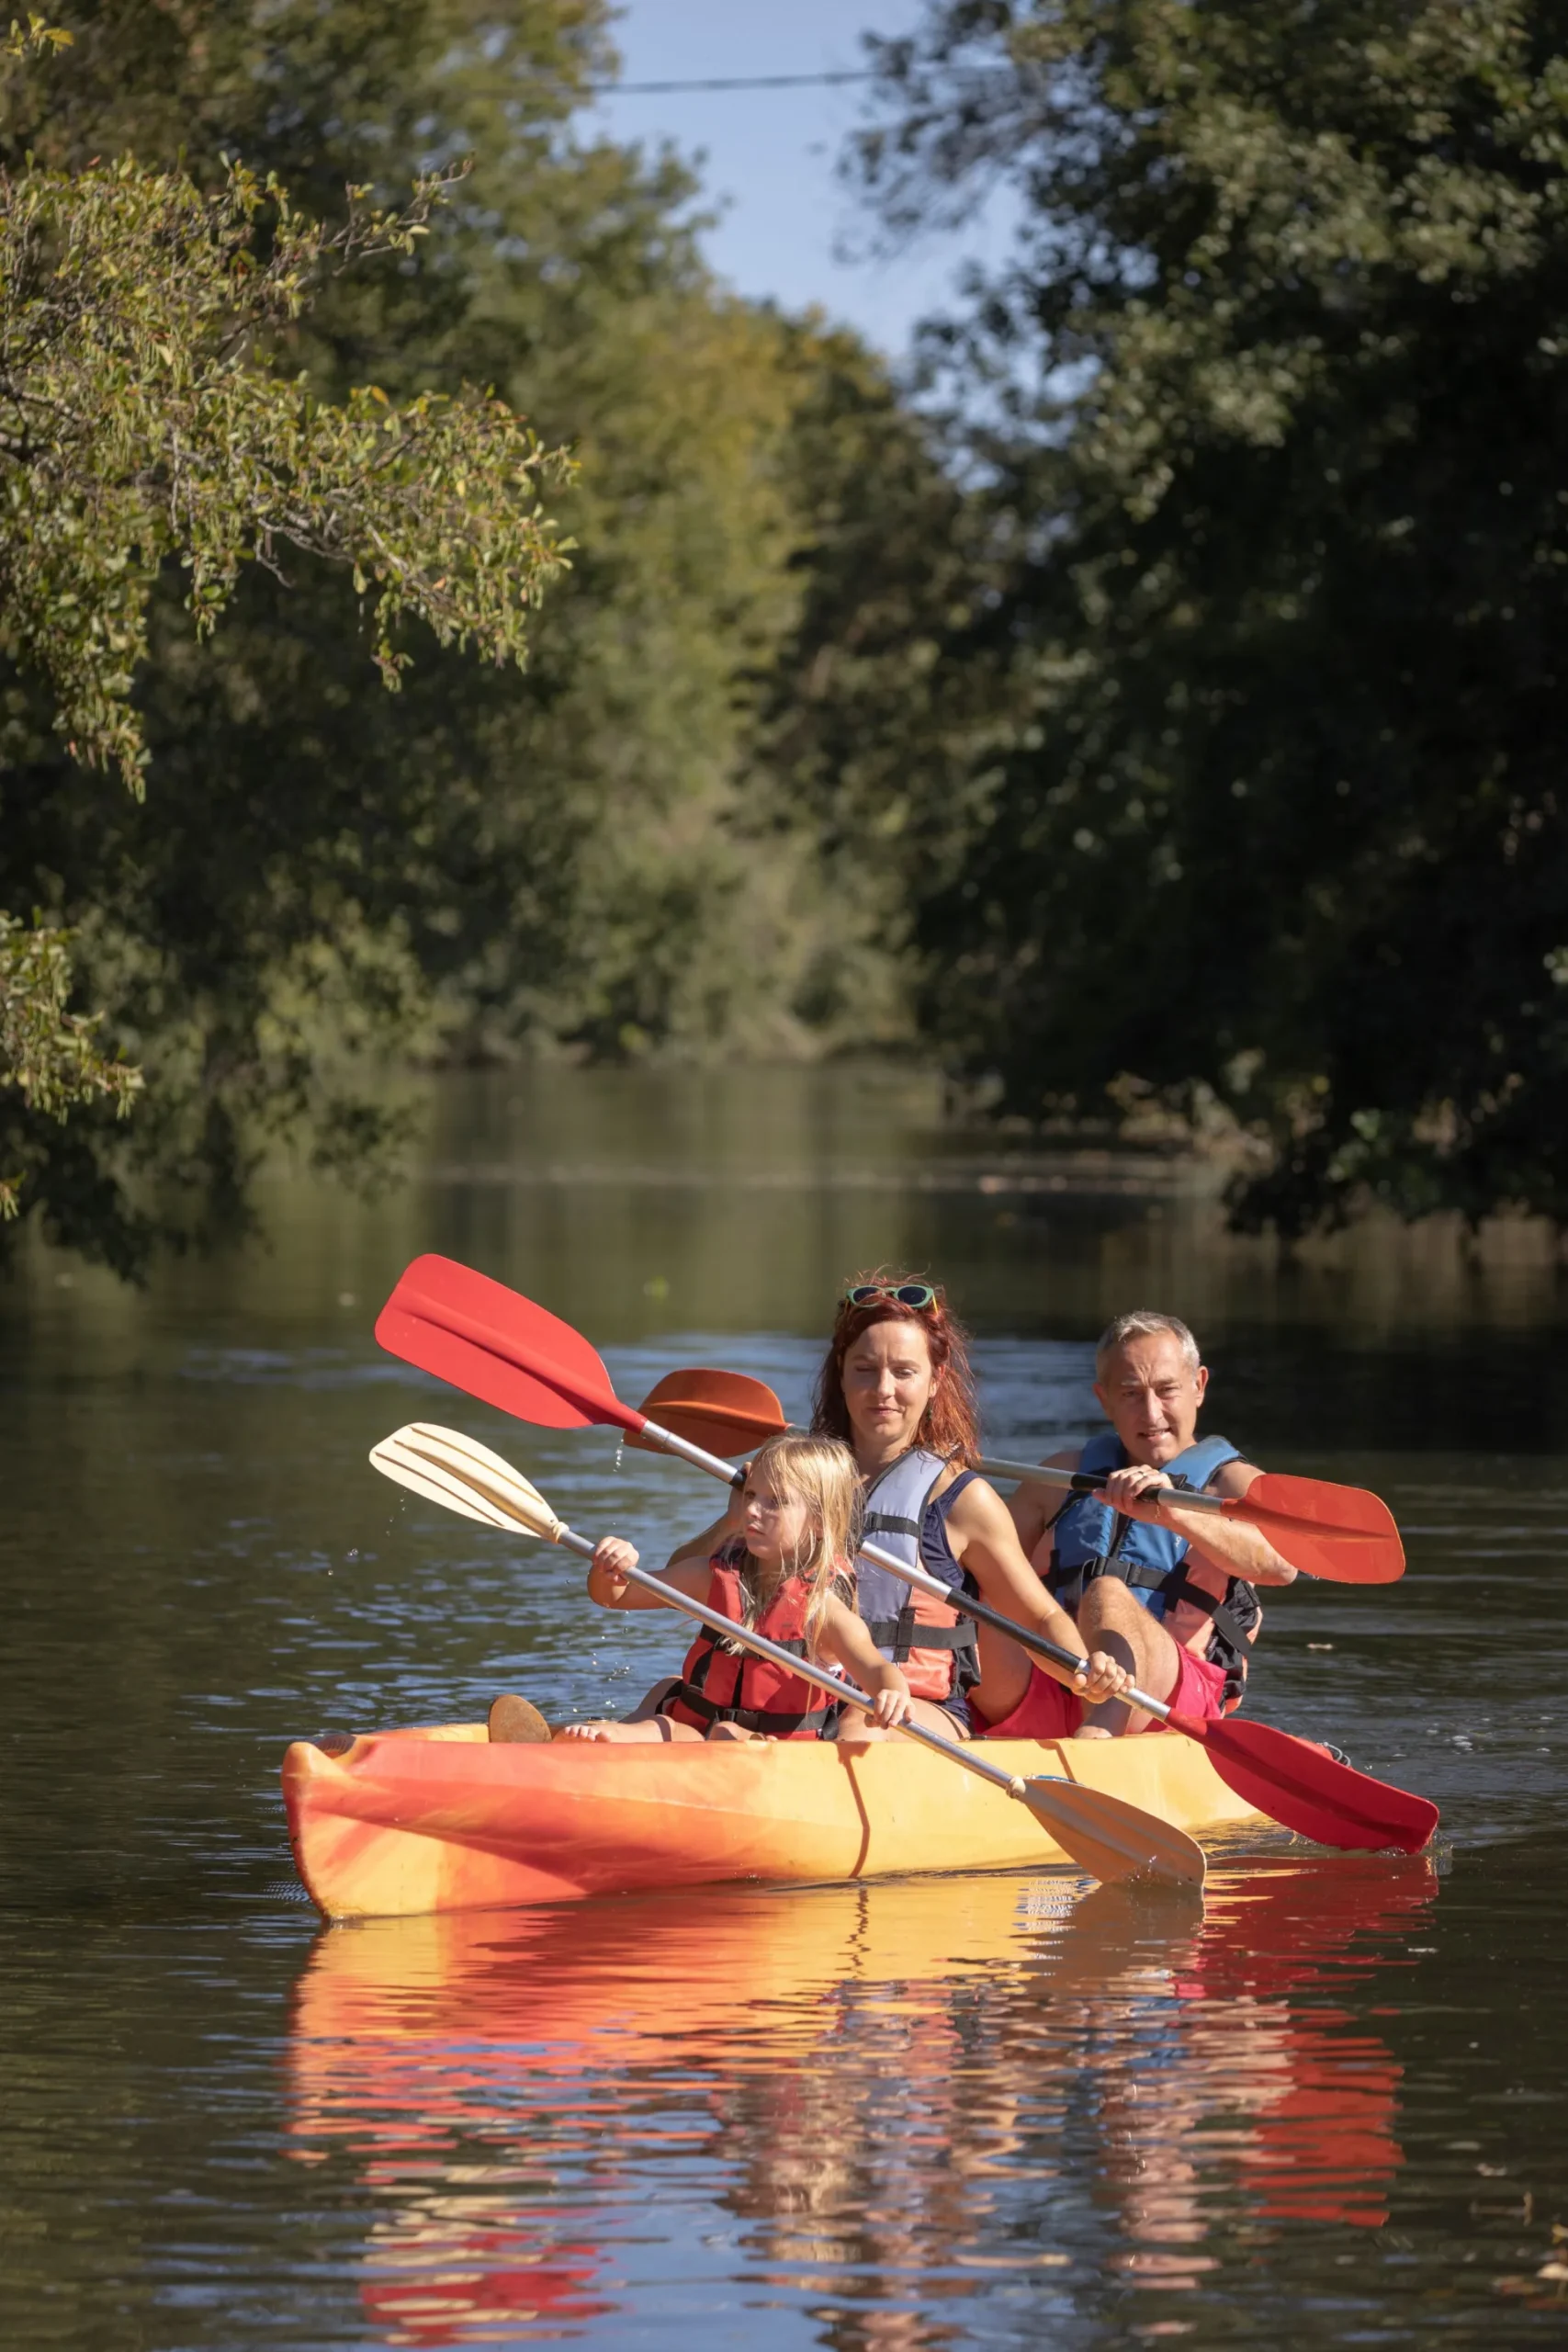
x=1304, y=1790
x=1113, y=1838
x=1342, y=1534
x=405, y=1467
x=724, y=1412
x=494, y=1345
x=447, y=1467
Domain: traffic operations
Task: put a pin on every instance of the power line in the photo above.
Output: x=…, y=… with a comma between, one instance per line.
x=737, y=82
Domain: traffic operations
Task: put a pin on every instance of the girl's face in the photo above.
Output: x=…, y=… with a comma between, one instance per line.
x=778, y=1527
x=889, y=1379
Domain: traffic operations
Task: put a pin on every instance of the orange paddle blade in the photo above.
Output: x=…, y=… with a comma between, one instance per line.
x=724, y=1412
x=1344, y=1534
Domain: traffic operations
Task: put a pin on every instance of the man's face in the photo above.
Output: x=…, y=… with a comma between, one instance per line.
x=1151, y=1396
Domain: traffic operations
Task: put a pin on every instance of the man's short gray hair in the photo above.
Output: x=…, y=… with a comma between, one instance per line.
x=1143, y=1323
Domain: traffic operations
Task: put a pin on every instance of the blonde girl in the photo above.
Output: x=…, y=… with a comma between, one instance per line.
x=783, y=1572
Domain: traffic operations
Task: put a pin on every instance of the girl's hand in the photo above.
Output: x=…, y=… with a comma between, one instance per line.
x=611, y=1560
x=1100, y=1678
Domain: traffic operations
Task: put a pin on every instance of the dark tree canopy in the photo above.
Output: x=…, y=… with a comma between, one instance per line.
x=1278, y=376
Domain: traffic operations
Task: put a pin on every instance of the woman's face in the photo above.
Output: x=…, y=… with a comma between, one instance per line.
x=889, y=1379
x=778, y=1527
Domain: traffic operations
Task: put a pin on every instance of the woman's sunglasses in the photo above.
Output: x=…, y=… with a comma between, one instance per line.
x=916, y=1294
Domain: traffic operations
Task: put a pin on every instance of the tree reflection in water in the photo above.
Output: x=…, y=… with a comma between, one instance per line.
x=870, y=2104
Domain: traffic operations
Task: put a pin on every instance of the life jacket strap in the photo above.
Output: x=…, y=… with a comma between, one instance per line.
x=908, y=1630
x=778, y=1721
x=887, y=1522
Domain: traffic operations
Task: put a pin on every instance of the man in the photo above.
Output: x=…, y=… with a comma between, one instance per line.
x=1170, y=1593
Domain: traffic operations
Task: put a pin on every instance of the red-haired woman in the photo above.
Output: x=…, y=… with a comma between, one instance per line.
x=895, y=1385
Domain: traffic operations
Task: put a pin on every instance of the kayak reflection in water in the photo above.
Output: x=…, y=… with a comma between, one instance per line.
x=1170, y=1593
x=784, y=1572
x=896, y=2089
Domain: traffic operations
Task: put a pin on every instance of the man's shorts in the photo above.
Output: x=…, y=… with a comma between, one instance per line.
x=1199, y=1688
x=1048, y=1710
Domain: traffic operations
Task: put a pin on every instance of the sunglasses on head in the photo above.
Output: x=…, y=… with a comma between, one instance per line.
x=916, y=1294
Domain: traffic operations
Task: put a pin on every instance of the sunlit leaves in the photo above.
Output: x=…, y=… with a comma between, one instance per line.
x=141, y=420
x=48, y=1055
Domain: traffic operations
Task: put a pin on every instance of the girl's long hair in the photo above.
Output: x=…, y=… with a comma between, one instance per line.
x=820, y=1473
x=951, y=1423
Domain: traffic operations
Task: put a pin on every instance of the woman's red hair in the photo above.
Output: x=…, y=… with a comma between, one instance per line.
x=951, y=1422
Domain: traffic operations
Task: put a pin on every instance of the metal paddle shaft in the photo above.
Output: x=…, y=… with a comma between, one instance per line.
x=1087, y=1482
x=1344, y=1534
x=1298, y=1785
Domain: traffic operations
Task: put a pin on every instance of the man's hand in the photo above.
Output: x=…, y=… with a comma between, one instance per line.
x=1133, y=1491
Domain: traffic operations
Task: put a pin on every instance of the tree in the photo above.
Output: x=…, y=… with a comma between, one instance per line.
x=1277, y=374
x=649, y=841
x=142, y=420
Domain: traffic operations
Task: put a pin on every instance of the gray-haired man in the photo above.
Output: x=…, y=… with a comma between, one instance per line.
x=1168, y=1593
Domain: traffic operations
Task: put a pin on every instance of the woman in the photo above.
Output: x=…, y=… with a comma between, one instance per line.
x=895, y=1386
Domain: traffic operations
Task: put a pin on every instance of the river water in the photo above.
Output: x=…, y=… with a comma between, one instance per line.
x=1325, y=2108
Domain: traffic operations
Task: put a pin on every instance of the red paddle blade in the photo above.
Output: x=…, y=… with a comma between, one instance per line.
x=724, y=1412
x=1306, y=1791
x=1341, y=1533
x=493, y=1344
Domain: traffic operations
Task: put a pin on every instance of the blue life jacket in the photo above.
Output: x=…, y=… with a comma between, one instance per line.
x=933, y=1645
x=1092, y=1540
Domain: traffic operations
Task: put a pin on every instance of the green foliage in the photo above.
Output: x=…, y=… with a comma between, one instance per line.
x=50, y=1056
x=137, y=424
x=1278, y=364
x=645, y=843
x=142, y=421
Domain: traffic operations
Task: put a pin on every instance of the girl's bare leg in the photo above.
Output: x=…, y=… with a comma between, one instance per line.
x=649, y=1732
x=645, y=1723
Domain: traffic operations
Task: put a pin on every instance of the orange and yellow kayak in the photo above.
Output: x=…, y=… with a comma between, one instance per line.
x=411, y=1822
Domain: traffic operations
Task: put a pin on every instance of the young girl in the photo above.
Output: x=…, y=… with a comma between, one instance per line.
x=785, y=1573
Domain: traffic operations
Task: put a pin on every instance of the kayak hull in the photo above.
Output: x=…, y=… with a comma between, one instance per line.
x=415, y=1822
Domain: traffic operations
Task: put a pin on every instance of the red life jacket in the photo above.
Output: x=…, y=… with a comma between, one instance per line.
x=717, y=1686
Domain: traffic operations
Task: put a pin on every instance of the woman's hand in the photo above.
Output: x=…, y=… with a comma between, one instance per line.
x=611, y=1560
x=892, y=1702
x=1100, y=1678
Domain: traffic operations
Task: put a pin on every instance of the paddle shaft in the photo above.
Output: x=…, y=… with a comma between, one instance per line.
x=1093, y=1482
x=1051, y=1652
x=759, y=1644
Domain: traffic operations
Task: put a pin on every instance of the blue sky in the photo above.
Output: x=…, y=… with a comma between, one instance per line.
x=772, y=153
